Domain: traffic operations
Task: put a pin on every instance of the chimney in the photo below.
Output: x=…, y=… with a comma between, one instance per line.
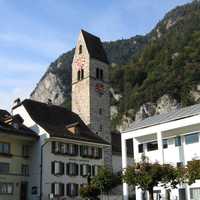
x=16, y=102
x=49, y=102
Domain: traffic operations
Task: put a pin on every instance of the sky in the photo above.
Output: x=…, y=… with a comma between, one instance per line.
x=35, y=32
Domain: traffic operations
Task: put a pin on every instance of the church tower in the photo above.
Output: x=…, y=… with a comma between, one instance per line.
x=90, y=88
x=90, y=84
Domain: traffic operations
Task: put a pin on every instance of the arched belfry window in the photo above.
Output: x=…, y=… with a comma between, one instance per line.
x=79, y=75
x=101, y=74
x=82, y=73
x=80, y=49
x=97, y=73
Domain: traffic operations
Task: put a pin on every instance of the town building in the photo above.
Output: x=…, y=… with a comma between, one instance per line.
x=172, y=138
x=66, y=154
x=16, y=142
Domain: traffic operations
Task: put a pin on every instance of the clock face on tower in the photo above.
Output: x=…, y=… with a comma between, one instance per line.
x=80, y=62
x=100, y=88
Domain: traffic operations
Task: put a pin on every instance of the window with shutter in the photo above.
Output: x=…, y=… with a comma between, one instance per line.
x=62, y=148
x=99, y=153
x=57, y=189
x=89, y=170
x=57, y=168
x=95, y=169
x=56, y=147
x=84, y=170
x=53, y=147
x=72, y=189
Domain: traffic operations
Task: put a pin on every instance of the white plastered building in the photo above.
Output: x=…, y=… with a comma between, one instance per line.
x=172, y=138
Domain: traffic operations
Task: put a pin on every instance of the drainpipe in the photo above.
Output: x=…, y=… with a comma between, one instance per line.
x=41, y=166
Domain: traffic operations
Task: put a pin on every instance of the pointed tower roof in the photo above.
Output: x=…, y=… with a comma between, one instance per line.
x=95, y=47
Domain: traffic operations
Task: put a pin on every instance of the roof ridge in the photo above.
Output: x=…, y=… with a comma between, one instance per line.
x=165, y=117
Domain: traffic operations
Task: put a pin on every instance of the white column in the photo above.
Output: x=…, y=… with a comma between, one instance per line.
x=124, y=165
x=160, y=147
x=135, y=149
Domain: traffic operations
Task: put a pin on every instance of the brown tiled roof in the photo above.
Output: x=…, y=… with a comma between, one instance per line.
x=11, y=130
x=95, y=47
x=55, y=120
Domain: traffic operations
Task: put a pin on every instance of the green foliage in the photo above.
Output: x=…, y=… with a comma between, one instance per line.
x=106, y=180
x=193, y=171
x=147, y=175
x=102, y=183
x=168, y=64
x=89, y=192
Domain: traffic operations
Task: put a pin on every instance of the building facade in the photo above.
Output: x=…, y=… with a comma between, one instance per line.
x=16, y=142
x=172, y=138
x=67, y=153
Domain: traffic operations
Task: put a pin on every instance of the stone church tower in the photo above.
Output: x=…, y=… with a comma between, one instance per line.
x=90, y=85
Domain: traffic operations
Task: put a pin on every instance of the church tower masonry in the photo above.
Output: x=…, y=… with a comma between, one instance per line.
x=90, y=85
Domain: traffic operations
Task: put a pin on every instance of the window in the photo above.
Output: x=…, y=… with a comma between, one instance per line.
x=97, y=73
x=57, y=189
x=165, y=143
x=85, y=170
x=25, y=170
x=62, y=148
x=4, y=167
x=177, y=141
x=4, y=148
x=82, y=74
x=6, y=188
x=55, y=147
x=101, y=74
x=100, y=111
x=25, y=151
x=100, y=128
x=72, y=149
x=72, y=189
x=91, y=152
x=194, y=193
x=57, y=168
x=84, y=151
x=78, y=75
x=97, y=153
x=192, y=138
x=152, y=146
x=72, y=169
x=34, y=190
x=95, y=170
x=140, y=148
x=80, y=49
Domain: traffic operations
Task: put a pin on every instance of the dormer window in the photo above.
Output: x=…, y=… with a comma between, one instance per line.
x=80, y=49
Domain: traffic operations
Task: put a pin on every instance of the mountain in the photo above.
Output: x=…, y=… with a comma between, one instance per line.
x=150, y=74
